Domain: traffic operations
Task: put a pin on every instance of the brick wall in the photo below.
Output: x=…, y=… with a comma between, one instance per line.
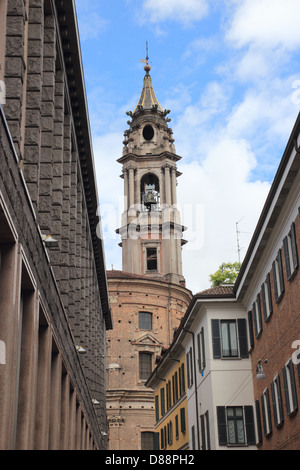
x=130, y=405
x=275, y=345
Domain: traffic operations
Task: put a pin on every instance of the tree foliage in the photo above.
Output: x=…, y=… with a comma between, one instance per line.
x=226, y=274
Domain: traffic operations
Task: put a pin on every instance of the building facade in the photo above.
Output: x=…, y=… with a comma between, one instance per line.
x=213, y=336
x=169, y=381
x=242, y=341
x=54, y=303
x=221, y=411
x=148, y=297
x=268, y=287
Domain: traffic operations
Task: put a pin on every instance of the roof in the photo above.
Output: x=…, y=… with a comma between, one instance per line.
x=148, y=98
x=224, y=290
x=115, y=274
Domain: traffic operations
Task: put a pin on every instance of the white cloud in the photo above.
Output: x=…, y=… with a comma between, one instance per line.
x=217, y=181
x=266, y=23
x=263, y=119
x=182, y=11
x=221, y=186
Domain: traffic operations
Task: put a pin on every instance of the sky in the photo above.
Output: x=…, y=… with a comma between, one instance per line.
x=229, y=71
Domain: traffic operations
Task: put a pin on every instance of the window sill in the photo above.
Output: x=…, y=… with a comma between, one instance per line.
x=280, y=297
x=231, y=358
x=237, y=445
x=293, y=275
x=293, y=413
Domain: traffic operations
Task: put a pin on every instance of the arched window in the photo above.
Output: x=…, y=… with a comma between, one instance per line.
x=150, y=195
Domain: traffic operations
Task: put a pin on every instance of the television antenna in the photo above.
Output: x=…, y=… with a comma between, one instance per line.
x=238, y=232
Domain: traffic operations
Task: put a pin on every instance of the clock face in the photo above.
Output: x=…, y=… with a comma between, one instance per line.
x=148, y=132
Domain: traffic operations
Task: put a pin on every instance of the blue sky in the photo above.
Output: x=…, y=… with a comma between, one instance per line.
x=229, y=71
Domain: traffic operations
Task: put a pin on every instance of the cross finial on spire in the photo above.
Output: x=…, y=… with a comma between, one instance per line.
x=147, y=52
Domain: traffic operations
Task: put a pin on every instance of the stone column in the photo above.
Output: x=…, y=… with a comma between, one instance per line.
x=9, y=277
x=78, y=427
x=28, y=372
x=55, y=403
x=43, y=389
x=72, y=421
x=65, y=412
x=125, y=190
x=131, y=187
x=168, y=185
x=174, y=184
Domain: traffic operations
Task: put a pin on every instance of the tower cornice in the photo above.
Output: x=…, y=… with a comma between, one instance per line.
x=135, y=157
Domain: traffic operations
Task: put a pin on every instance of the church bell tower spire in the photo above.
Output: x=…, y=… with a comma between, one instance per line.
x=151, y=232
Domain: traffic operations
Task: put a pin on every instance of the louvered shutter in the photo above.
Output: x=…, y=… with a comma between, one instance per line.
x=294, y=246
x=258, y=421
x=250, y=427
x=250, y=326
x=156, y=441
x=287, y=258
x=275, y=281
x=280, y=267
x=222, y=426
x=286, y=391
x=203, y=349
x=216, y=339
x=243, y=339
x=269, y=293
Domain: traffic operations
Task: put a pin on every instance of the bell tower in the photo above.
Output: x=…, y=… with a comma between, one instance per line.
x=151, y=231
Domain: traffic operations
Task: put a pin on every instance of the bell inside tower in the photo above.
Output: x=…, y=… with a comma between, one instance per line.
x=150, y=196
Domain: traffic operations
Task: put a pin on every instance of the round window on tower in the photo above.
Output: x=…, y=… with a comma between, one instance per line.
x=148, y=132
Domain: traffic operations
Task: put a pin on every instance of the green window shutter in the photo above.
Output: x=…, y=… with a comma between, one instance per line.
x=162, y=401
x=258, y=420
x=203, y=348
x=156, y=441
x=156, y=407
x=250, y=427
x=294, y=246
x=222, y=425
x=269, y=293
x=286, y=391
x=280, y=271
x=243, y=338
x=250, y=327
x=216, y=339
x=182, y=420
x=287, y=258
x=275, y=281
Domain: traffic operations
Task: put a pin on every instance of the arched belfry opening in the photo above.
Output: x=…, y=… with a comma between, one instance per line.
x=150, y=192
